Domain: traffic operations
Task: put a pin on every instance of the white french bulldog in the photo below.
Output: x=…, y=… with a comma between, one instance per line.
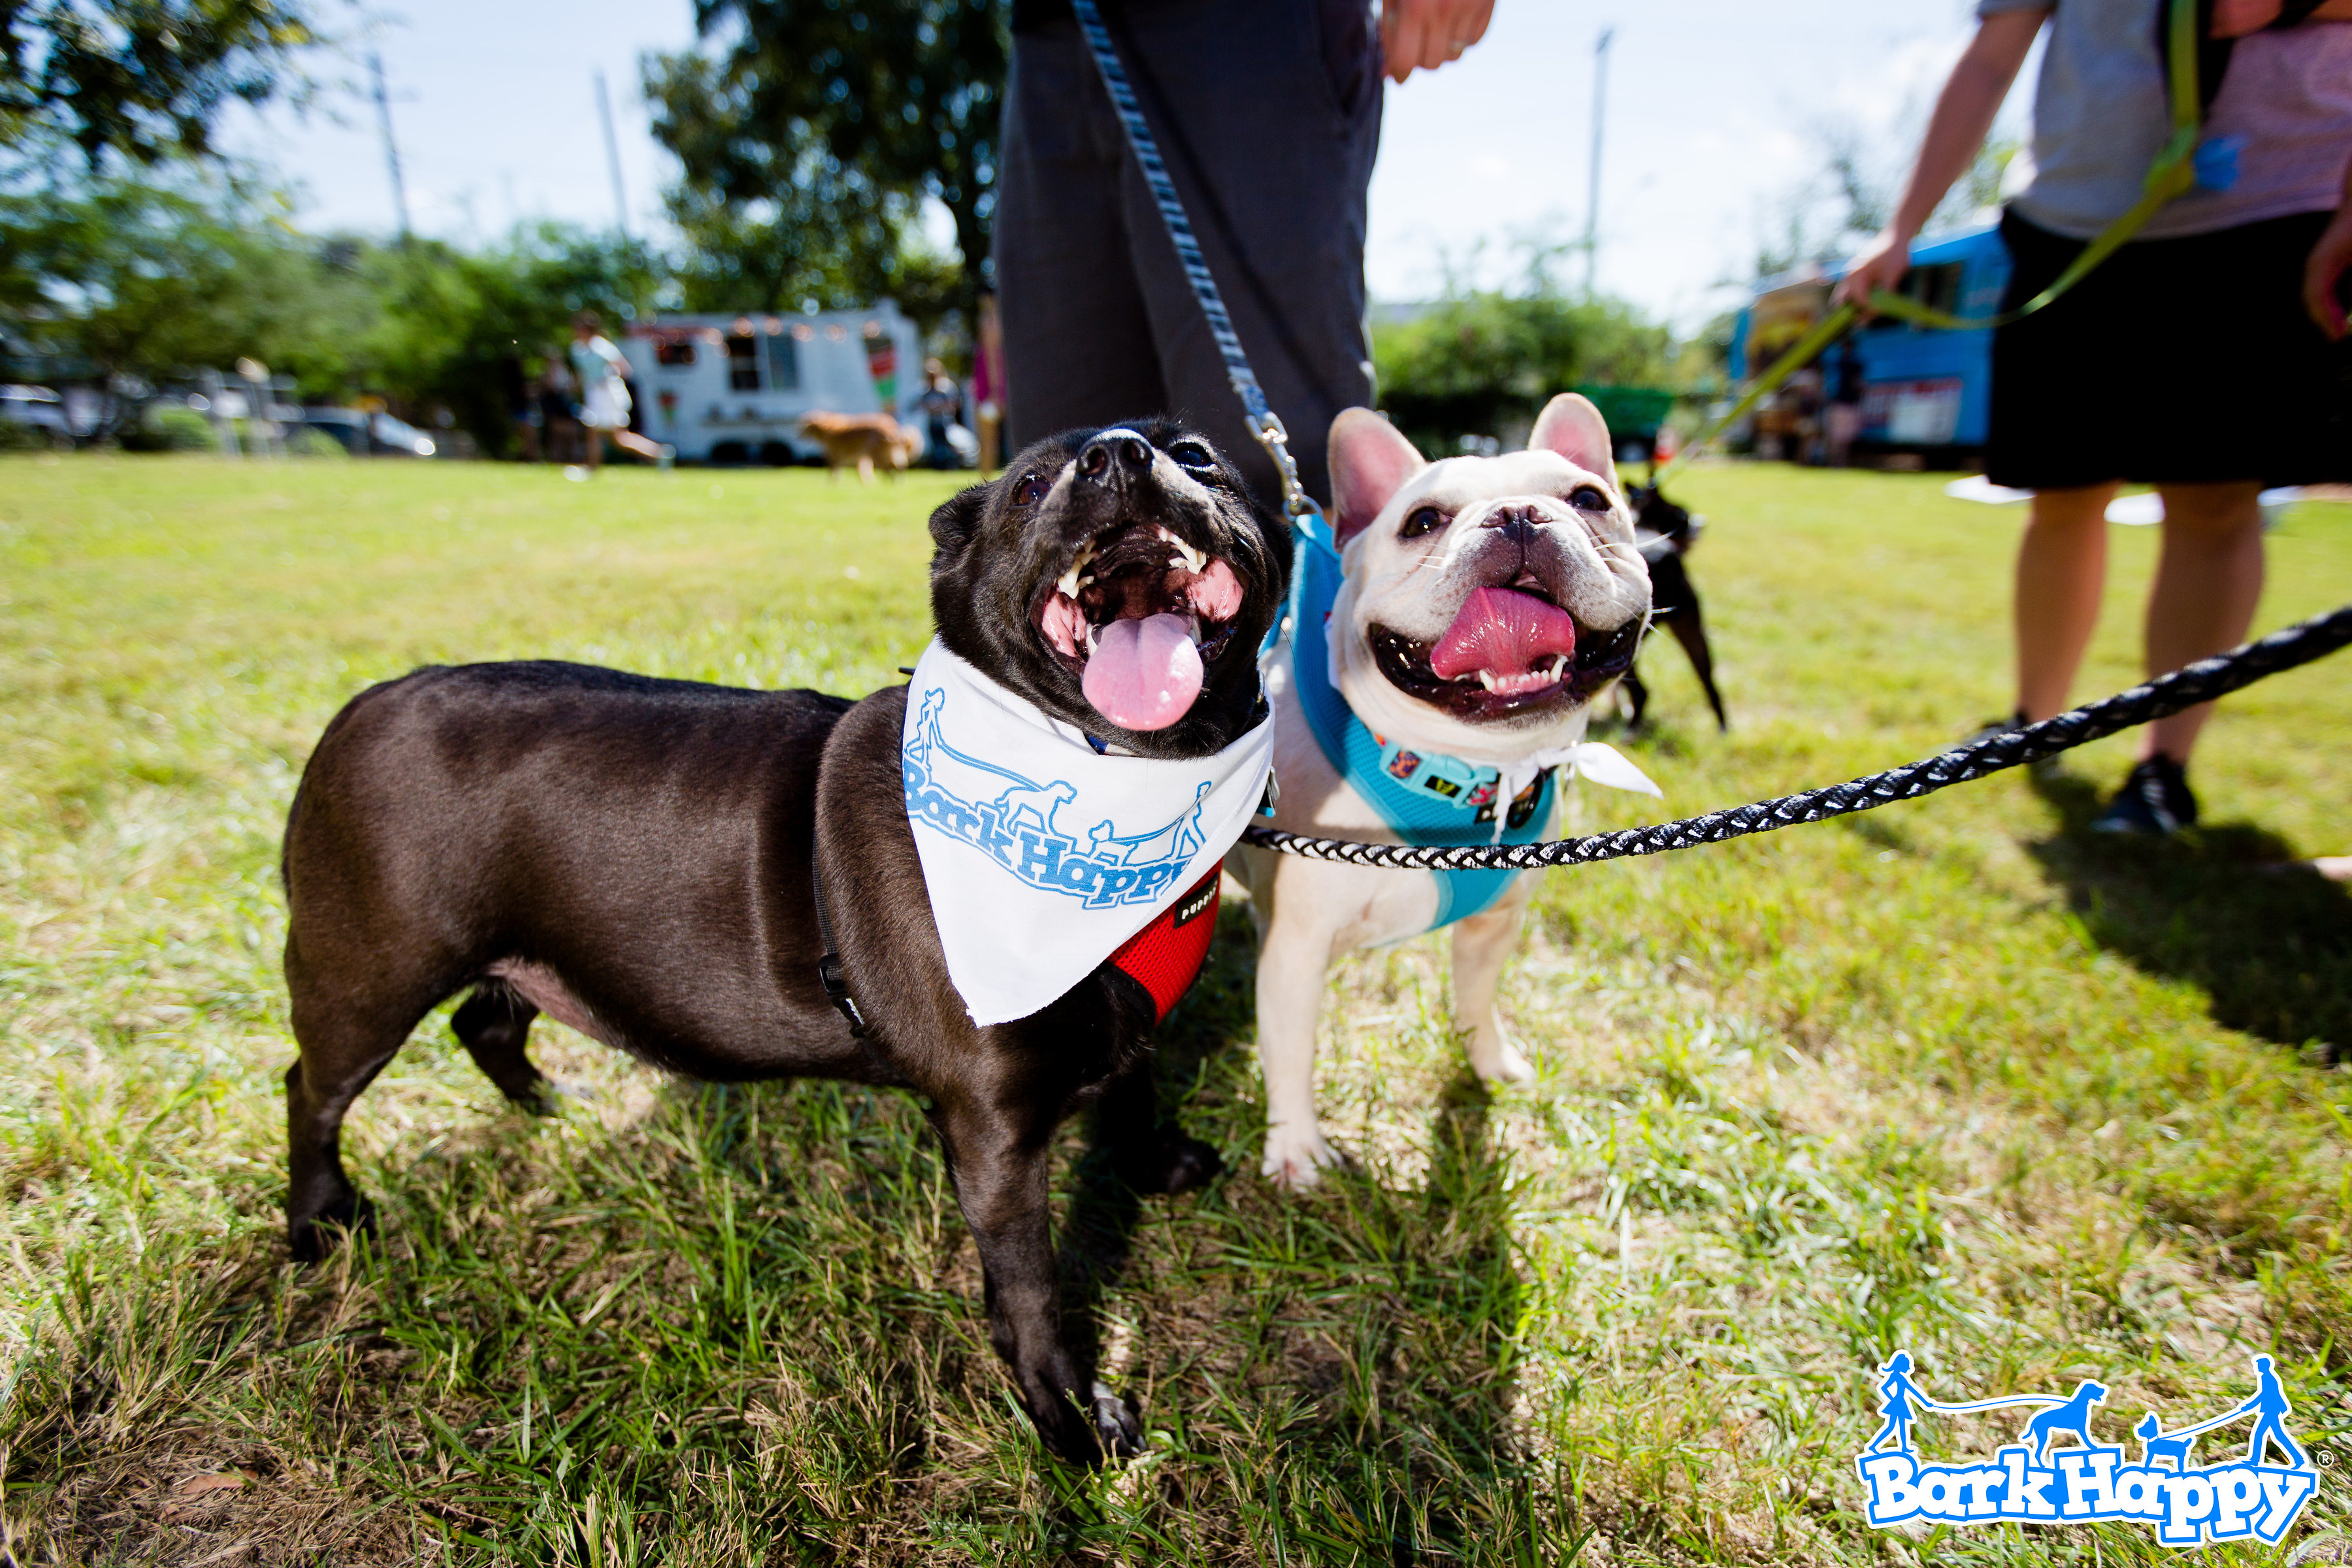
x=1483, y=602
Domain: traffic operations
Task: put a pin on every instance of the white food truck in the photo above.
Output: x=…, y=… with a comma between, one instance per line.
x=732, y=389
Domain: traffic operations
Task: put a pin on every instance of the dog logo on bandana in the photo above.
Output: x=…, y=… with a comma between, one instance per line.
x=1016, y=821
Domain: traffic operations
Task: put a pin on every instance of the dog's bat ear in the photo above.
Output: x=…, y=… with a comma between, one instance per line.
x=1572, y=427
x=1369, y=463
x=958, y=517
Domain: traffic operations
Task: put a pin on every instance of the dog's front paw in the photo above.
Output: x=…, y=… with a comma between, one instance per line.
x=1296, y=1155
x=310, y=1240
x=1117, y=1424
x=1496, y=1059
x=1174, y=1164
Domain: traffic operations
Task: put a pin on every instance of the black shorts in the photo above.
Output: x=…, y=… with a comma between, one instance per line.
x=2184, y=361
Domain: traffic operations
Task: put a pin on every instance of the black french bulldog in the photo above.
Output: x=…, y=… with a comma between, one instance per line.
x=1665, y=533
x=633, y=857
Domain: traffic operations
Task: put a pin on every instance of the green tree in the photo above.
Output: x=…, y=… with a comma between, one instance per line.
x=122, y=280
x=140, y=79
x=1484, y=361
x=458, y=331
x=808, y=141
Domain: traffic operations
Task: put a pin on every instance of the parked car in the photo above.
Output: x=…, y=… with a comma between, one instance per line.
x=39, y=408
x=365, y=435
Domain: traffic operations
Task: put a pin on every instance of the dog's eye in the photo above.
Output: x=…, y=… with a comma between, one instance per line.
x=1031, y=489
x=1194, y=455
x=1588, y=498
x=1427, y=519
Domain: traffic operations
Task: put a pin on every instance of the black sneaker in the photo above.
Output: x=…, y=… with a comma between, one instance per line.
x=2154, y=800
x=1987, y=730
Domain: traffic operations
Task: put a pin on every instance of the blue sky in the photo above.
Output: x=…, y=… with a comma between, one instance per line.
x=1709, y=105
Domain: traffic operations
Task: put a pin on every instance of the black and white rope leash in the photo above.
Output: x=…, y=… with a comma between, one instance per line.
x=2166, y=695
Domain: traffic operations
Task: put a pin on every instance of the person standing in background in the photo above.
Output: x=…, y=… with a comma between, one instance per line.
x=2203, y=357
x=602, y=371
x=1268, y=115
x=988, y=384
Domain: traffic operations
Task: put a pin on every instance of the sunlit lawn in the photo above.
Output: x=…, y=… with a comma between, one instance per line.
x=1954, y=1076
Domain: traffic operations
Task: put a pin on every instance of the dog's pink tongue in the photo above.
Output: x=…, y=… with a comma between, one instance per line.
x=1503, y=633
x=1144, y=674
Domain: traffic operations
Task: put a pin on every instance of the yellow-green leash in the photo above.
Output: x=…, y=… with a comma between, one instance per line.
x=2172, y=172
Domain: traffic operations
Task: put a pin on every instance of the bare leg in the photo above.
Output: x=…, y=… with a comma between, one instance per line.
x=2209, y=580
x=2061, y=567
x=593, y=437
x=1481, y=945
x=631, y=441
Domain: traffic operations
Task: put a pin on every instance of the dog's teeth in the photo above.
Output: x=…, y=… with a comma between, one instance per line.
x=1560, y=667
x=1068, y=583
x=1486, y=679
x=1194, y=558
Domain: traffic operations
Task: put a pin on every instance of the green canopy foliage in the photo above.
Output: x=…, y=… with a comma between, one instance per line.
x=125, y=281
x=809, y=139
x=142, y=80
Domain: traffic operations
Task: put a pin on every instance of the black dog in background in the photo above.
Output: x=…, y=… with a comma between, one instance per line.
x=1665, y=533
x=634, y=857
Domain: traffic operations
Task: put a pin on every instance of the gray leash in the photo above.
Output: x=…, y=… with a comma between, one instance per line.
x=1263, y=423
x=2166, y=695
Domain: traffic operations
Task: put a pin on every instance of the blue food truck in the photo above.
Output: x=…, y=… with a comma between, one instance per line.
x=1924, y=392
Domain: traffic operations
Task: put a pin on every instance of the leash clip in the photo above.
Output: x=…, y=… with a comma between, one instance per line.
x=1266, y=426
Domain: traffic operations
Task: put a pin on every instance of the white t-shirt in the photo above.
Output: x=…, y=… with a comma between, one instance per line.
x=2101, y=115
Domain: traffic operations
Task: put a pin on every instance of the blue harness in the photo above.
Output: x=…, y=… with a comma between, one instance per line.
x=1425, y=798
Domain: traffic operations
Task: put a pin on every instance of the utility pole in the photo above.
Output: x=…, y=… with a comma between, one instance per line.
x=1599, y=113
x=613, y=155
x=391, y=148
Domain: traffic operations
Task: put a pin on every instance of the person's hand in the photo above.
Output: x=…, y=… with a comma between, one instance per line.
x=2236, y=18
x=2323, y=275
x=1426, y=34
x=1881, y=265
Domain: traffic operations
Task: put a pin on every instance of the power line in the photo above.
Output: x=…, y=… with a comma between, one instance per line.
x=1592, y=203
x=612, y=155
x=391, y=147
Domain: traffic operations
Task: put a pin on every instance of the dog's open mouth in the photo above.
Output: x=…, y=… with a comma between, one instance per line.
x=1140, y=614
x=1510, y=652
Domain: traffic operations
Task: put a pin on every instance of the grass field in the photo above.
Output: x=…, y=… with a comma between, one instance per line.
x=1955, y=1076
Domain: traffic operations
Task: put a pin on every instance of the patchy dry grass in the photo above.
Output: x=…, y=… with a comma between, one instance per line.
x=1955, y=1076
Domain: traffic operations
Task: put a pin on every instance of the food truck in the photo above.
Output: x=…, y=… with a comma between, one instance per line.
x=1925, y=391
x=733, y=388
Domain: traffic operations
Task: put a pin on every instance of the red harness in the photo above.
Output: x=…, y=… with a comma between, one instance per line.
x=1165, y=956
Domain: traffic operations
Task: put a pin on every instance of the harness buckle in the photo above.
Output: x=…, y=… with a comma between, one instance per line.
x=836, y=991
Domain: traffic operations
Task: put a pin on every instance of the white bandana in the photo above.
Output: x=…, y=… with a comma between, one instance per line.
x=1041, y=855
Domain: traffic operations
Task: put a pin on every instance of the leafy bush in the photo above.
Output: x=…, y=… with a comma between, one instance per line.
x=17, y=436
x=169, y=427
x=1483, y=364
x=308, y=443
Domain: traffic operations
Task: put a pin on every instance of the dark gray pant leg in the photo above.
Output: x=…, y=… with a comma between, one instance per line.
x=1079, y=348
x=1267, y=113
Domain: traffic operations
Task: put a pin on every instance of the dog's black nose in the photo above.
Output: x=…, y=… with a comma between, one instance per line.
x=1123, y=449
x=1516, y=524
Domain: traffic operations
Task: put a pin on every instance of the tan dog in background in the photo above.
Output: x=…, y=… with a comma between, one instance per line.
x=863, y=441
x=1546, y=537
